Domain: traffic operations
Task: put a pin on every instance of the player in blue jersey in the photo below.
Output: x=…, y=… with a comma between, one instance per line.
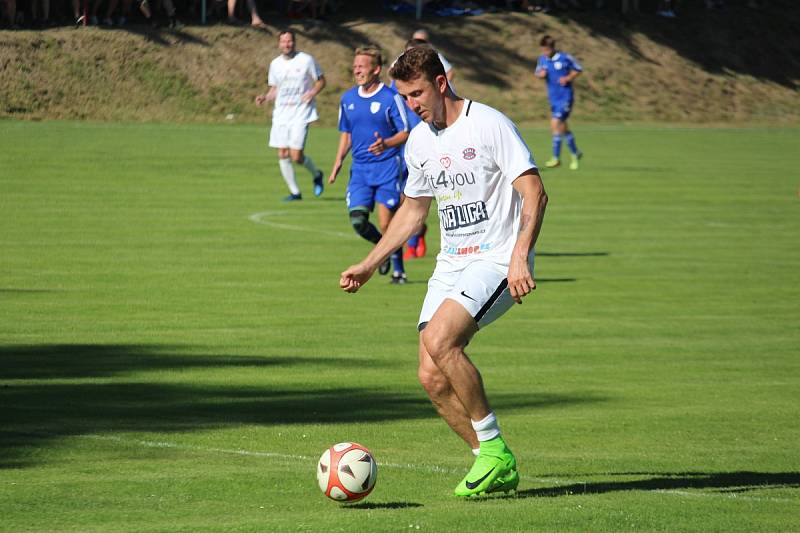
x=559, y=70
x=374, y=125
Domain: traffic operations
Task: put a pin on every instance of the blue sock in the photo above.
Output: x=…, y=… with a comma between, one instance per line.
x=556, y=146
x=397, y=261
x=413, y=241
x=571, y=143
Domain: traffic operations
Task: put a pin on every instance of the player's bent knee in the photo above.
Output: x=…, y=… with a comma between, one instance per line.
x=436, y=342
x=359, y=219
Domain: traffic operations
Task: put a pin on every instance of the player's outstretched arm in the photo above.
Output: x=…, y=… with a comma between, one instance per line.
x=405, y=223
x=345, y=142
x=534, y=201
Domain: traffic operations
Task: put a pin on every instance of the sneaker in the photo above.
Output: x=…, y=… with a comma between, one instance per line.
x=385, y=266
x=422, y=248
x=574, y=165
x=410, y=253
x=318, y=186
x=492, y=472
x=293, y=197
x=553, y=163
x=399, y=278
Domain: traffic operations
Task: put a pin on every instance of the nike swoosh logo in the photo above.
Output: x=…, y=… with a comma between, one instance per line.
x=472, y=484
x=465, y=295
x=423, y=164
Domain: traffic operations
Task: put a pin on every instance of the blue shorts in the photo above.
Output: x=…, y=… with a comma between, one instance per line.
x=561, y=110
x=375, y=182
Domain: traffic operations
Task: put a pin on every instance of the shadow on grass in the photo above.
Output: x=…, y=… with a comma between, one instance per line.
x=53, y=391
x=721, y=481
x=382, y=505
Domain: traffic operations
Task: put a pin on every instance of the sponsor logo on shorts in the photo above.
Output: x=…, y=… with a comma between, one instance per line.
x=469, y=153
x=462, y=216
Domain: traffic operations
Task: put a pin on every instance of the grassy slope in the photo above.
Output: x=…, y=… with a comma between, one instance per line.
x=714, y=67
x=653, y=375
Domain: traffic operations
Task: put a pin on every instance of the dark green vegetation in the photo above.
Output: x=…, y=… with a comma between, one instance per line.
x=737, y=65
x=168, y=362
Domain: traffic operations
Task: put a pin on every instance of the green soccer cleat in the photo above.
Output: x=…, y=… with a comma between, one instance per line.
x=574, y=165
x=553, y=163
x=495, y=470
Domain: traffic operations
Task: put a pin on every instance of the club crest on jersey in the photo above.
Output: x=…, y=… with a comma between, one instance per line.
x=469, y=153
x=374, y=107
x=445, y=161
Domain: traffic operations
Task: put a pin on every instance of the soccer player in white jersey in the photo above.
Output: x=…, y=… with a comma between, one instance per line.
x=491, y=202
x=294, y=79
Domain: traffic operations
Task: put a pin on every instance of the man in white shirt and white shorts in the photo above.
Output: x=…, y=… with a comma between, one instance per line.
x=294, y=79
x=491, y=202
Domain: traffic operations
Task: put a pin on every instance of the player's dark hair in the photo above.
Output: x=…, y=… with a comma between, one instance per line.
x=416, y=62
x=548, y=42
x=373, y=51
x=285, y=31
x=413, y=43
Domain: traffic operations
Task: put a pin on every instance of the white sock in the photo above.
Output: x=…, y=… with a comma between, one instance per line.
x=476, y=452
x=309, y=164
x=486, y=429
x=287, y=171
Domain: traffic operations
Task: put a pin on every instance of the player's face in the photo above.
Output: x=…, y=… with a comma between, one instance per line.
x=364, y=72
x=286, y=44
x=547, y=51
x=426, y=99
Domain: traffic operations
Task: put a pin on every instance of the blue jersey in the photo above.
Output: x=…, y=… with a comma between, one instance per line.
x=382, y=111
x=413, y=118
x=556, y=67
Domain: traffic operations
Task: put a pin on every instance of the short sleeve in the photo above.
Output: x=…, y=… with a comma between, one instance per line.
x=573, y=64
x=316, y=70
x=272, y=76
x=416, y=185
x=344, y=120
x=399, y=113
x=510, y=152
x=540, y=64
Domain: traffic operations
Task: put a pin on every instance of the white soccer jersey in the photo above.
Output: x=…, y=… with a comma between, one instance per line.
x=469, y=167
x=293, y=78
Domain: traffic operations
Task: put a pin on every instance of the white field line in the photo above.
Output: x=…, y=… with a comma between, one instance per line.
x=264, y=218
x=403, y=466
x=249, y=453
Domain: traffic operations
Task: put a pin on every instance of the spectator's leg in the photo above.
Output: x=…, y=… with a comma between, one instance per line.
x=255, y=20
x=232, y=11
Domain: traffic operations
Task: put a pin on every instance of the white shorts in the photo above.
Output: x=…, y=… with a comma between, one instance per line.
x=480, y=287
x=291, y=135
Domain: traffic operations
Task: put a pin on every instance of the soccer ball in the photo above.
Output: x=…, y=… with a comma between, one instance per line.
x=346, y=472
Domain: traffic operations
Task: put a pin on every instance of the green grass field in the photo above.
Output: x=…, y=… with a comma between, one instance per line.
x=175, y=353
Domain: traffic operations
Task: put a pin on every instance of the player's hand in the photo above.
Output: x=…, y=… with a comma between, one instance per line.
x=541, y=74
x=354, y=277
x=520, y=280
x=307, y=97
x=378, y=146
x=260, y=99
x=334, y=173
x=563, y=81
